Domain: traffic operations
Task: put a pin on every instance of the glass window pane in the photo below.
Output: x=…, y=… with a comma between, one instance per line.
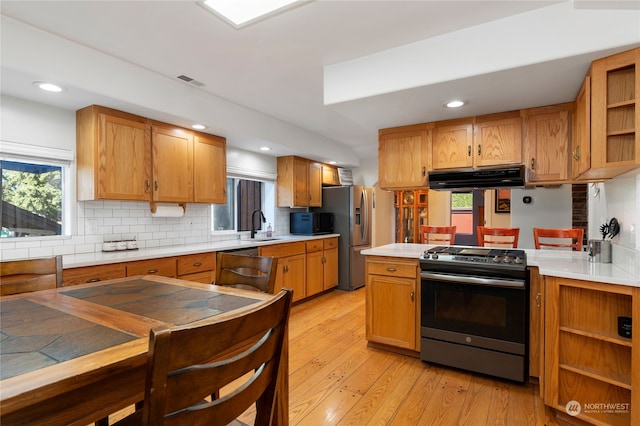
x=462, y=212
x=223, y=213
x=31, y=199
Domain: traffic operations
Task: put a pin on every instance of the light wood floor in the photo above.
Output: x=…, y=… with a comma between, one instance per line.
x=336, y=379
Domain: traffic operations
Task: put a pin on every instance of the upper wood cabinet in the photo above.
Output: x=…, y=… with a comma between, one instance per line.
x=299, y=182
x=172, y=164
x=330, y=175
x=490, y=140
x=615, y=115
x=209, y=169
x=113, y=152
x=403, y=156
x=547, y=143
x=121, y=156
x=581, y=135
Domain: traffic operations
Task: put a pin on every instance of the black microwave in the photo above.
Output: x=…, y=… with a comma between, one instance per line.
x=310, y=223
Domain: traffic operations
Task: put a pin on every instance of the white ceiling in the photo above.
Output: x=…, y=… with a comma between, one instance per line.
x=318, y=80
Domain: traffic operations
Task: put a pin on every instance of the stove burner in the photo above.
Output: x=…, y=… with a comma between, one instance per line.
x=491, y=257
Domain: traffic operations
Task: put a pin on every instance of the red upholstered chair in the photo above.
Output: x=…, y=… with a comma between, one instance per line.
x=444, y=235
x=499, y=237
x=544, y=237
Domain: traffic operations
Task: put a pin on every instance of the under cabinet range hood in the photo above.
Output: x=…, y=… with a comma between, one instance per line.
x=468, y=179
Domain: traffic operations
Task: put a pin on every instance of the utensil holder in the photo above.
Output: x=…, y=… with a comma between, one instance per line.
x=599, y=251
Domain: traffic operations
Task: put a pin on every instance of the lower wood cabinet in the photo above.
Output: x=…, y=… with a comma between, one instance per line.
x=199, y=267
x=586, y=361
x=322, y=265
x=291, y=271
x=93, y=274
x=165, y=267
x=392, y=295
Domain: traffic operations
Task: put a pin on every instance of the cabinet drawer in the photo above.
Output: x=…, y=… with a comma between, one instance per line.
x=330, y=243
x=282, y=250
x=315, y=245
x=165, y=267
x=205, y=277
x=92, y=274
x=393, y=268
x=193, y=263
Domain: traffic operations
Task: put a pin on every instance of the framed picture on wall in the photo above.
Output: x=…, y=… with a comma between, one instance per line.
x=503, y=201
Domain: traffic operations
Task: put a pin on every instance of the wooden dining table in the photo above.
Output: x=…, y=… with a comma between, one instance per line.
x=73, y=355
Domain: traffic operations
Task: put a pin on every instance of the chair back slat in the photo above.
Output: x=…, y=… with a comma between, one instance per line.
x=188, y=363
x=246, y=272
x=21, y=276
x=498, y=237
x=557, y=238
x=445, y=235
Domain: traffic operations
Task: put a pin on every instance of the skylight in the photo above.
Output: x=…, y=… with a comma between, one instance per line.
x=240, y=13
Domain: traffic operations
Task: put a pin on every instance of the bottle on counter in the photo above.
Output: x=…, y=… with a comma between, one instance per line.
x=269, y=231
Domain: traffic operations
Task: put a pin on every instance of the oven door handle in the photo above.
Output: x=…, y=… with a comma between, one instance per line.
x=464, y=279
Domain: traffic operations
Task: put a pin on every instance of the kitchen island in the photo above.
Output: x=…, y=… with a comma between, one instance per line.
x=575, y=349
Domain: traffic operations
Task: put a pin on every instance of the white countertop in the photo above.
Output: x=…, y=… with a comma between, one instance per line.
x=557, y=263
x=104, y=258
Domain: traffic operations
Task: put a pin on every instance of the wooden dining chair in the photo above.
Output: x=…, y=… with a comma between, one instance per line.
x=437, y=234
x=22, y=276
x=246, y=272
x=245, y=349
x=557, y=238
x=499, y=237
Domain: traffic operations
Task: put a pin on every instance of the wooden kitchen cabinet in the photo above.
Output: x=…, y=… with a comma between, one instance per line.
x=547, y=143
x=322, y=265
x=330, y=175
x=113, y=151
x=412, y=211
x=172, y=153
x=586, y=360
x=403, y=156
x=581, y=135
x=291, y=272
x=536, y=342
x=392, y=315
x=615, y=115
x=299, y=182
x=491, y=140
x=165, y=267
x=93, y=274
x=209, y=169
x=199, y=267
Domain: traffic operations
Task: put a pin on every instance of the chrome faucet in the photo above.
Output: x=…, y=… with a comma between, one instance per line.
x=253, y=221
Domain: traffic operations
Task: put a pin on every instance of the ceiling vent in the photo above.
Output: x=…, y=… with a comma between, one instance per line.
x=190, y=80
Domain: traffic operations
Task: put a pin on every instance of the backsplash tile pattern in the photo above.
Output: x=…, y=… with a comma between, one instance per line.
x=100, y=221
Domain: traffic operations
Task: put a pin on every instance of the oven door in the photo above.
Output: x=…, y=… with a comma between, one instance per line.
x=475, y=311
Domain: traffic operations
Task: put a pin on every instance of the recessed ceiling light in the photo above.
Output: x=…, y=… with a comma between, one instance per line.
x=265, y=148
x=241, y=13
x=333, y=162
x=454, y=104
x=199, y=126
x=49, y=87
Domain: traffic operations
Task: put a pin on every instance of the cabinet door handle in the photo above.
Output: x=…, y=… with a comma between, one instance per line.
x=424, y=171
x=286, y=268
x=576, y=154
x=468, y=150
x=197, y=264
x=538, y=297
x=152, y=271
x=533, y=164
x=391, y=269
x=147, y=185
x=479, y=150
x=412, y=296
x=93, y=280
x=155, y=185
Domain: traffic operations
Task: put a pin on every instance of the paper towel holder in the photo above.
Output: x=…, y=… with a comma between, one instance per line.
x=154, y=206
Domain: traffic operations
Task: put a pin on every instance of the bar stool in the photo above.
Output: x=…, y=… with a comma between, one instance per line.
x=437, y=234
x=505, y=236
x=574, y=234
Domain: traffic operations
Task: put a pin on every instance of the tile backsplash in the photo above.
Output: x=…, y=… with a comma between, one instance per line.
x=100, y=221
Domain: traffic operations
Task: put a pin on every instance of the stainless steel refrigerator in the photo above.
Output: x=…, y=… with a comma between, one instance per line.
x=352, y=208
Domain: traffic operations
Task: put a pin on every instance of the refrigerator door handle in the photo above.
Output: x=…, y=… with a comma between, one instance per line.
x=365, y=216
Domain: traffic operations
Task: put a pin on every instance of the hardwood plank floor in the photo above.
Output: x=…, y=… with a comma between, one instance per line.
x=336, y=379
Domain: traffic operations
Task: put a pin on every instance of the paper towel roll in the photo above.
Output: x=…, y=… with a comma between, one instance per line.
x=170, y=210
